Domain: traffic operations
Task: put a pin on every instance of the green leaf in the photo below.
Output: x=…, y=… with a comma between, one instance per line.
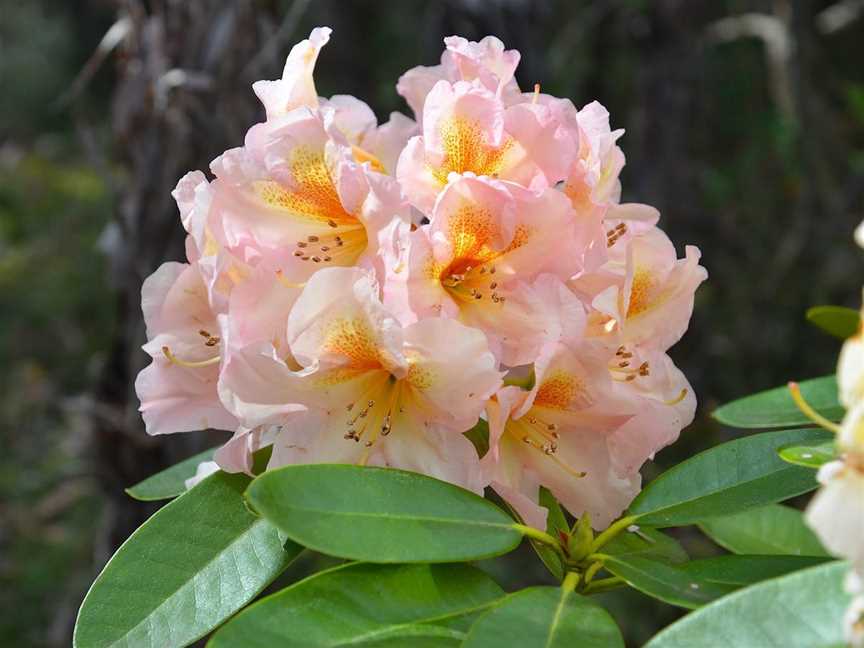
x=801, y=610
x=775, y=407
x=646, y=543
x=381, y=515
x=726, y=479
x=664, y=582
x=479, y=436
x=366, y=605
x=771, y=529
x=809, y=456
x=192, y=565
x=839, y=321
x=742, y=570
x=556, y=523
x=171, y=482
x=548, y=617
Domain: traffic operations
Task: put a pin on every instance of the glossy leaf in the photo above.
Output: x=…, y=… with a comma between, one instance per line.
x=771, y=529
x=366, y=605
x=547, y=617
x=556, y=523
x=646, y=543
x=741, y=570
x=192, y=565
x=839, y=321
x=775, y=407
x=726, y=479
x=665, y=582
x=381, y=515
x=809, y=456
x=801, y=610
x=170, y=482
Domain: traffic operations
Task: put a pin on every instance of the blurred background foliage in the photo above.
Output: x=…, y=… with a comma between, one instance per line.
x=745, y=127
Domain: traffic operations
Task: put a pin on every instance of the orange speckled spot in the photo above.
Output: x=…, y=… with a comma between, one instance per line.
x=470, y=231
x=641, y=293
x=353, y=339
x=558, y=391
x=362, y=155
x=419, y=377
x=579, y=194
x=314, y=197
x=466, y=149
x=337, y=376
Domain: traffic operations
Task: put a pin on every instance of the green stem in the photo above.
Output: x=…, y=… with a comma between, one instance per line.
x=571, y=580
x=538, y=535
x=611, y=532
x=604, y=585
x=592, y=571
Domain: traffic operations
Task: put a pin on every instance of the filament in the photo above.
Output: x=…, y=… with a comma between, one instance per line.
x=188, y=363
x=808, y=411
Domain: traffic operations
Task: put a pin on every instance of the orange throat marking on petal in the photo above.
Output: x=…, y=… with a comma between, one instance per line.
x=558, y=391
x=641, y=293
x=471, y=274
x=334, y=236
x=466, y=149
x=353, y=339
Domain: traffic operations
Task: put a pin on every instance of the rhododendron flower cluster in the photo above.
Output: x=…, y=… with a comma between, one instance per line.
x=836, y=513
x=365, y=293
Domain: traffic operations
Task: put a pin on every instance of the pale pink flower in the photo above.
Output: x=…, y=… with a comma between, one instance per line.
x=296, y=88
x=377, y=393
x=486, y=242
x=346, y=117
x=467, y=129
x=463, y=60
x=649, y=299
x=660, y=400
x=558, y=435
x=294, y=193
x=178, y=389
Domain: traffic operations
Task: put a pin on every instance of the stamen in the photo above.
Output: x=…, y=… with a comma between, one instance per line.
x=187, y=363
x=280, y=277
x=680, y=397
x=536, y=93
x=808, y=411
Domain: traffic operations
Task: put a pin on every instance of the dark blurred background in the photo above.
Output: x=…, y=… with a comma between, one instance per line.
x=745, y=127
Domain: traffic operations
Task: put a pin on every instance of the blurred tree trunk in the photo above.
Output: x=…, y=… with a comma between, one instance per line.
x=182, y=96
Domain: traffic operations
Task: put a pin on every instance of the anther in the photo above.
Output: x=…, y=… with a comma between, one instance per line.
x=312, y=239
x=332, y=223
x=316, y=259
x=493, y=285
x=298, y=253
x=302, y=244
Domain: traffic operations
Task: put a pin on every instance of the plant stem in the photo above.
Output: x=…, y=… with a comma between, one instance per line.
x=538, y=535
x=571, y=580
x=591, y=571
x=611, y=532
x=604, y=585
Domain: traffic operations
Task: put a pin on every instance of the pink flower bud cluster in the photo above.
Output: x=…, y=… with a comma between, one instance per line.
x=366, y=293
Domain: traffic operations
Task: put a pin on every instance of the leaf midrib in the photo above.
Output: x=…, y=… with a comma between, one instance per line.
x=392, y=516
x=237, y=540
